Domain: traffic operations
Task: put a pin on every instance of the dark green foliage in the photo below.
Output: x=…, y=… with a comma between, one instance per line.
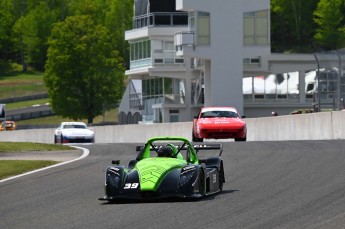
x=83, y=72
x=329, y=17
x=292, y=25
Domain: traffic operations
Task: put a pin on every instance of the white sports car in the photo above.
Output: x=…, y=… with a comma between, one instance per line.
x=75, y=132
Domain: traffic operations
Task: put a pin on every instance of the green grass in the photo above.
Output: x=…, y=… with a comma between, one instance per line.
x=33, y=83
x=109, y=116
x=7, y=147
x=22, y=84
x=14, y=167
x=11, y=106
x=35, y=77
x=10, y=168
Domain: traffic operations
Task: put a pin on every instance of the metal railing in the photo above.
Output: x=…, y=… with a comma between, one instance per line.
x=160, y=19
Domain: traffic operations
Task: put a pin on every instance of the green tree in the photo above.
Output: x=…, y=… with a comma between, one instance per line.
x=115, y=15
x=329, y=17
x=6, y=22
x=83, y=72
x=118, y=19
x=292, y=25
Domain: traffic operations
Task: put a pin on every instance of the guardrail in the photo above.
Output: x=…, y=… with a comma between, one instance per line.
x=313, y=126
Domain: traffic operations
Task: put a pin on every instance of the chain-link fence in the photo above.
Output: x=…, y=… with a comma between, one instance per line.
x=330, y=79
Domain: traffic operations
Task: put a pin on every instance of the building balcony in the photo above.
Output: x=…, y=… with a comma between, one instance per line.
x=159, y=58
x=160, y=19
x=166, y=57
x=157, y=24
x=182, y=40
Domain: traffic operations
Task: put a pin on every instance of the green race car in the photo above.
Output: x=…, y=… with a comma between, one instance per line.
x=166, y=167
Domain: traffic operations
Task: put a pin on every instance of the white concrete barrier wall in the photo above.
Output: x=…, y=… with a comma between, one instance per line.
x=314, y=126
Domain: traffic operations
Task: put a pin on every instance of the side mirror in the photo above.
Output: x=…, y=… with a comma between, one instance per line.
x=115, y=162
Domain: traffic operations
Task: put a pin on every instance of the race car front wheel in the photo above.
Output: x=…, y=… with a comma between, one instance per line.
x=221, y=176
x=200, y=185
x=195, y=139
x=241, y=139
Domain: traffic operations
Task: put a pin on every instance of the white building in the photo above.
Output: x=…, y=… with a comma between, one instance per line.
x=186, y=54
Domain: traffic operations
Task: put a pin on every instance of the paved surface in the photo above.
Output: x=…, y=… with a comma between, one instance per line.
x=294, y=184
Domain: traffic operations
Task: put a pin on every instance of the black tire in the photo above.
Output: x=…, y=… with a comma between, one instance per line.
x=221, y=176
x=61, y=139
x=241, y=139
x=55, y=140
x=194, y=139
x=201, y=182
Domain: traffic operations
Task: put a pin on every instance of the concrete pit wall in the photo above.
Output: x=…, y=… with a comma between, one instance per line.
x=314, y=126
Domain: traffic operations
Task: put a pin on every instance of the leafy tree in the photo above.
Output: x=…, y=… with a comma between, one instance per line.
x=83, y=72
x=6, y=22
x=31, y=31
x=115, y=15
x=329, y=17
x=292, y=25
x=118, y=19
x=18, y=31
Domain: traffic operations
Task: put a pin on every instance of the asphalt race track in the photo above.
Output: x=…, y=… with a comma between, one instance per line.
x=296, y=184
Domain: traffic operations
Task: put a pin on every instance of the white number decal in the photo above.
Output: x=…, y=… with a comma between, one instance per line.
x=131, y=185
x=214, y=178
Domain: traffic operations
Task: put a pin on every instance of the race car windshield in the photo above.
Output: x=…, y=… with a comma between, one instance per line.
x=223, y=114
x=74, y=126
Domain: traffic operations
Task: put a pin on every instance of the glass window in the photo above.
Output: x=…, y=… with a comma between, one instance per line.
x=140, y=50
x=261, y=26
x=168, y=45
x=152, y=86
x=158, y=86
x=262, y=13
x=174, y=115
x=249, y=29
x=204, y=28
x=168, y=86
x=132, y=51
x=145, y=88
x=255, y=28
x=191, y=22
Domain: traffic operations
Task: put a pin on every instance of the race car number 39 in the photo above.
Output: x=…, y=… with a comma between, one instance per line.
x=131, y=186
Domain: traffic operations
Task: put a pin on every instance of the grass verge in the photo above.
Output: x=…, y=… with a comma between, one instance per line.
x=109, y=116
x=29, y=103
x=10, y=168
x=8, y=147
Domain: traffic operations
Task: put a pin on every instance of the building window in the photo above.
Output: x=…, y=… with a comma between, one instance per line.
x=174, y=115
x=251, y=60
x=140, y=53
x=255, y=28
x=203, y=28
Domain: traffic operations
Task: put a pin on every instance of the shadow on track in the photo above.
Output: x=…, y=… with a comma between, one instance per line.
x=167, y=199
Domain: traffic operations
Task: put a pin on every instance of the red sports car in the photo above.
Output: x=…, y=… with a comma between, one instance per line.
x=219, y=123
